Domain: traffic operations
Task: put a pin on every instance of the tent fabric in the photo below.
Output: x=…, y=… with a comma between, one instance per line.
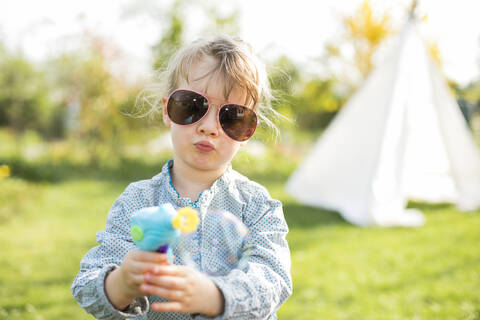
x=401, y=136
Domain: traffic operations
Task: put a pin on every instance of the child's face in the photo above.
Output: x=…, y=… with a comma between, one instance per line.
x=203, y=145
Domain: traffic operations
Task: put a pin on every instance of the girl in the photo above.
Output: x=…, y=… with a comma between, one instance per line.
x=215, y=91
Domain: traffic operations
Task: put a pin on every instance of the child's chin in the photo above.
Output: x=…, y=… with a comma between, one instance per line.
x=207, y=165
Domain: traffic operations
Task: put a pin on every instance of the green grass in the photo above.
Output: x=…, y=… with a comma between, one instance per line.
x=49, y=221
x=345, y=272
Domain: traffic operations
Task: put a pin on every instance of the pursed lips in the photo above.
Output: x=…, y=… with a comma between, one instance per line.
x=205, y=146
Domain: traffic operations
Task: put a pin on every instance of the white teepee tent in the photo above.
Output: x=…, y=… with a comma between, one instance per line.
x=400, y=137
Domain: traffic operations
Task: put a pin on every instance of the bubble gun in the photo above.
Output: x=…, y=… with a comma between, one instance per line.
x=158, y=228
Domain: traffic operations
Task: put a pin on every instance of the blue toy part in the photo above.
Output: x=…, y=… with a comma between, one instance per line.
x=152, y=230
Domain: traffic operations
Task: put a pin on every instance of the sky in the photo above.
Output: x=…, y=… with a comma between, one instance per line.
x=297, y=29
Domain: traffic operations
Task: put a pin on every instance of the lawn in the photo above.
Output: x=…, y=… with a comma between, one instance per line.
x=49, y=215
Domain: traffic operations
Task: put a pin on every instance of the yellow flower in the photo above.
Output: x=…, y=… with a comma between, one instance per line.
x=4, y=171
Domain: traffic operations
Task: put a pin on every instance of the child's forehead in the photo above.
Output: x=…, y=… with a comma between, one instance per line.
x=203, y=76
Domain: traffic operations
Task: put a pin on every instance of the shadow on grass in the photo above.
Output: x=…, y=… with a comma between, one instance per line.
x=300, y=216
x=124, y=170
x=50, y=172
x=424, y=206
x=269, y=176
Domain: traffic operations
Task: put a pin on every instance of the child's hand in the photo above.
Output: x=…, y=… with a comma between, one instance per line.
x=188, y=291
x=134, y=266
x=123, y=284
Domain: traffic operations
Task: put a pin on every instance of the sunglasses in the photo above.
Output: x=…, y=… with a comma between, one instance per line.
x=185, y=107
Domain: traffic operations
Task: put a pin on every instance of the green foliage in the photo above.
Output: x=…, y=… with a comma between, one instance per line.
x=311, y=103
x=84, y=77
x=172, y=37
x=40, y=96
x=42, y=162
x=221, y=22
x=24, y=95
x=173, y=22
x=468, y=99
x=317, y=103
x=471, y=93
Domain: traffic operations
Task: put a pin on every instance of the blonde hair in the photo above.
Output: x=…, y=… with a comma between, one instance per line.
x=236, y=63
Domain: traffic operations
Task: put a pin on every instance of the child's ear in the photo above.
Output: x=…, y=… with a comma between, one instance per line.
x=165, y=118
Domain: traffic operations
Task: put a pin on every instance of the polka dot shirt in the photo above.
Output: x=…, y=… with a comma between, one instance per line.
x=253, y=288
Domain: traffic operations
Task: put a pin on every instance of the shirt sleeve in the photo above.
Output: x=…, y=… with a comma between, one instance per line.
x=114, y=242
x=258, y=288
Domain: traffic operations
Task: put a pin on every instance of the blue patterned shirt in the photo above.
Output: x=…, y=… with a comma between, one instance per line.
x=253, y=290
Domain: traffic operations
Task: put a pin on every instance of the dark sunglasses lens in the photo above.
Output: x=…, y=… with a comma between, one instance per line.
x=238, y=122
x=186, y=107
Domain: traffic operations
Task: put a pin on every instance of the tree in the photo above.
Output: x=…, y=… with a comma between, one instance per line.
x=173, y=36
x=353, y=52
x=84, y=81
x=221, y=22
x=318, y=102
x=24, y=95
x=366, y=31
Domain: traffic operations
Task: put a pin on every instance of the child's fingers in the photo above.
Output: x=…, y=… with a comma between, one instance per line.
x=142, y=267
x=172, y=295
x=147, y=256
x=168, y=307
x=170, y=270
x=168, y=282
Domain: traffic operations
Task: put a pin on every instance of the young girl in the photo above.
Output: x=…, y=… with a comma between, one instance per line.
x=215, y=91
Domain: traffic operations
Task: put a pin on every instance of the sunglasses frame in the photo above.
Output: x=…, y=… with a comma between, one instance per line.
x=208, y=109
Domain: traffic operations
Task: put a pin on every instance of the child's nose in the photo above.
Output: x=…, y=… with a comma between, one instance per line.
x=209, y=125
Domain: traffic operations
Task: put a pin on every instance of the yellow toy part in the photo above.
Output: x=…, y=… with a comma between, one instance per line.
x=186, y=220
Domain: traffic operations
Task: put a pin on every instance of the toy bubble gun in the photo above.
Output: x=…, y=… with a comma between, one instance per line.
x=158, y=228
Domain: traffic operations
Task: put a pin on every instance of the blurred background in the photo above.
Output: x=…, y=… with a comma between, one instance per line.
x=70, y=76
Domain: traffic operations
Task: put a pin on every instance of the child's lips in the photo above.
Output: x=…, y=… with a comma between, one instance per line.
x=204, y=146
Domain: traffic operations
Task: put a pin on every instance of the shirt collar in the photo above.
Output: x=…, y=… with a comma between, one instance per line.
x=164, y=178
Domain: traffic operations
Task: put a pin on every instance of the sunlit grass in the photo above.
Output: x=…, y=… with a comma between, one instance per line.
x=345, y=272
x=41, y=245
x=49, y=215
x=339, y=271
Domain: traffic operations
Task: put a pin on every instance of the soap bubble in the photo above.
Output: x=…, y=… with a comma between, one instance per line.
x=225, y=244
